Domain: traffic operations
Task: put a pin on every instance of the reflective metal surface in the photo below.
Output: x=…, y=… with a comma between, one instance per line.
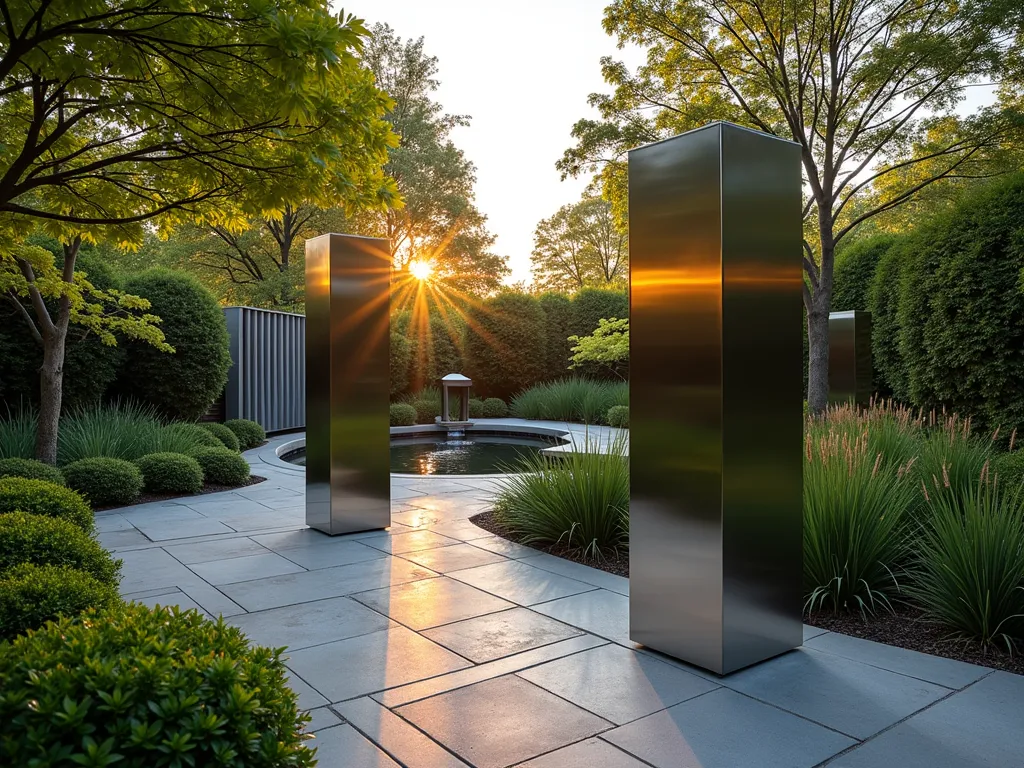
x=348, y=479
x=849, y=357
x=715, y=411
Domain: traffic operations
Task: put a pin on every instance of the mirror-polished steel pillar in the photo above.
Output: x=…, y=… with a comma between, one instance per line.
x=849, y=357
x=716, y=414
x=348, y=475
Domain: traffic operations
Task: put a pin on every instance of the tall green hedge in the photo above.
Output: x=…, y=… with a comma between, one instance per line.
x=592, y=304
x=855, y=269
x=558, y=323
x=400, y=351
x=181, y=385
x=90, y=366
x=505, y=344
x=883, y=303
x=961, y=308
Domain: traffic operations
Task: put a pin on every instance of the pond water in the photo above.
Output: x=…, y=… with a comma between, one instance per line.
x=436, y=455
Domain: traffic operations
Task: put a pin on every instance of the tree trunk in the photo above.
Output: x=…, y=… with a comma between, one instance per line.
x=51, y=379
x=817, y=357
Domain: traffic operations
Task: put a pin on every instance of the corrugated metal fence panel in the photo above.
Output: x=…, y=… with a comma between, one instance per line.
x=267, y=381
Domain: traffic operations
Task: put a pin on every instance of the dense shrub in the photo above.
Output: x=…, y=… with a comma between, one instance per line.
x=180, y=434
x=435, y=350
x=90, y=366
x=250, y=434
x=18, y=434
x=222, y=466
x=182, y=384
x=505, y=344
x=558, y=324
x=961, y=310
x=105, y=481
x=145, y=683
x=31, y=469
x=494, y=408
x=618, y=416
x=579, y=502
x=476, y=408
x=170, y=473
x=427, y=411
x=592, y=304
x=402, y=415
x=579, y=400
x=1009, y=469
x=883, y=303
x=31, y=595
x=26, y=538
x=224, y=435
x=854, y=271
x=856, y=514
x=40, y=497
x=400, y=356
x=970, y=571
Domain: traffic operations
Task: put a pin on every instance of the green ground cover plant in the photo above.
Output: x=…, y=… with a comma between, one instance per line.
x=172, y=689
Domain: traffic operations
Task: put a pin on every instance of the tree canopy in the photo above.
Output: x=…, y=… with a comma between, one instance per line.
x=856, y=83
x=580, y=245
x=439, y=221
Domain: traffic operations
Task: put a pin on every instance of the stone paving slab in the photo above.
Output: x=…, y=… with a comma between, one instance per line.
x=386, y=624
x=501, y=722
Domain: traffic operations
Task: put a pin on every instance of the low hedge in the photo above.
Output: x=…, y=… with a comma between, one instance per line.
x=39, y=497
x=105, y=481
x=27, y=538
x=31, y=469
x=402, y=415
x=427, y=411
x=224, y=435
x=222, y=466
x=618, y=416
x=476, y=408
x=170, y=473
x=249, y=433
x=158, y=687
x=494, y=408
x=31, y=595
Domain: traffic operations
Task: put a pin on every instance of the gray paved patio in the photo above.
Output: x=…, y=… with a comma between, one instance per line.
x=435, y=644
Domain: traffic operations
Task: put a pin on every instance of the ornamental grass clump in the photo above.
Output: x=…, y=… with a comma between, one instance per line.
x=579, y=400
x=18, y=434
x=160, y=688
x=969, y=564
x=121, y=430
x=579, y=501
x=952, y=457
x=856, y=517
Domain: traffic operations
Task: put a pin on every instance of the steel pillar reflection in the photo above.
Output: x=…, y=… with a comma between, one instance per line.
x=849, y=357
x=348, y=477
x=716, y=414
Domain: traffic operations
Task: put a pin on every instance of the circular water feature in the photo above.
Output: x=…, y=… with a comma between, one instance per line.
x=436, y=454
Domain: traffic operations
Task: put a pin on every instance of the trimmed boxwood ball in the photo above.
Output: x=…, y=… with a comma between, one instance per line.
x=167, y=677
x=402, y=415
x=476, y=408
x=427, y=411
x=249, y=433
x=26, y=538
x=31, y=595
x=104, y=481
x=224, y=434
x=170, y=473
x=495, y=408
x=221, y=466
x=31, y=469
x=618, y=416
x=39, y=497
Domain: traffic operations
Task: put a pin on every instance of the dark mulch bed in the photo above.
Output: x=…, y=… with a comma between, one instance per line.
x=619, y=564
x=905, y=628
x=146, y=498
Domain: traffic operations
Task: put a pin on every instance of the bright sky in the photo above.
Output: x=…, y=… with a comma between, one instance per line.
x=523, y=72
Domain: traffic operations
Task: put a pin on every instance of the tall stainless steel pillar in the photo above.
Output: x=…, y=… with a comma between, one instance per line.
x=849, y=357
x=716, y=414
x=348, y=479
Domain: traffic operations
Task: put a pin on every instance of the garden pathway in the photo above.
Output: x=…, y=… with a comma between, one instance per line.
x=435, y=644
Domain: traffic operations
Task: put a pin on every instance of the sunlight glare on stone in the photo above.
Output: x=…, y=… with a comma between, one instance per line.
x=421, y=270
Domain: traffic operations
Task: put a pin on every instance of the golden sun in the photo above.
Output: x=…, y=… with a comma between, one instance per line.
x=421, y=270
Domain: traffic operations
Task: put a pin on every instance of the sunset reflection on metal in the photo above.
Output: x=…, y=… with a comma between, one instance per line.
x=348, y=467
x=715, y=396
